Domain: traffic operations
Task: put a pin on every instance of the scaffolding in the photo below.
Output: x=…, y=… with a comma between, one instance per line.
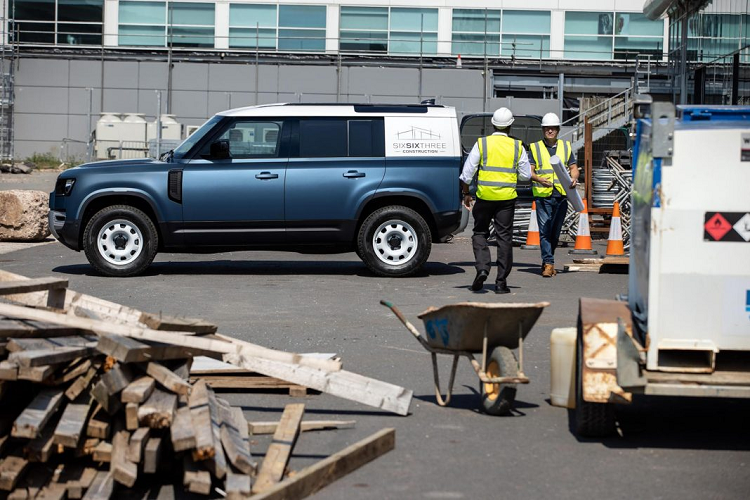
x=7, y=93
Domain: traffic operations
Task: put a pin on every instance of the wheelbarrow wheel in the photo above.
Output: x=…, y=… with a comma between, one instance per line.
x=498, y=399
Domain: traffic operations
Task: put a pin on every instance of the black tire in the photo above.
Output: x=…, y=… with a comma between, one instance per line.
x=498, y=399
x=591, y=419
x=404, y=247
x=132, y=236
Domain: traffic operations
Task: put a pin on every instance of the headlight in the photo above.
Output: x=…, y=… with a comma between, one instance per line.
x=63, y=187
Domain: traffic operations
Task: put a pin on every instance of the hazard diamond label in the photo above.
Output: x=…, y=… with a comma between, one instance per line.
x=717, y=227
x=727, y=227
x=743, y=227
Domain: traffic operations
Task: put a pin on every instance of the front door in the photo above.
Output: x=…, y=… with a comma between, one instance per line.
x=335, y=166
x=237, y=201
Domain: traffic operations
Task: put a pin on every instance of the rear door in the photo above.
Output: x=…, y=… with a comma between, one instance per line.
x=238, y=201
x=336, y=165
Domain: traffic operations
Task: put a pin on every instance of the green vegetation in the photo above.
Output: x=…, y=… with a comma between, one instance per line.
x=49, y=160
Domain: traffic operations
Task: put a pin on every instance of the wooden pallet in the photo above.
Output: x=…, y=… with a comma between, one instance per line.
x=606, y=265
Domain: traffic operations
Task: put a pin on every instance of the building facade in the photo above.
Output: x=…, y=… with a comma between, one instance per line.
x=75, y=59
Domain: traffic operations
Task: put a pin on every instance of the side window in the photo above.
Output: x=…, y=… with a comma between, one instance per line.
x=324, y=138
x=251, y=139
x=366, y=138
x=341, y=138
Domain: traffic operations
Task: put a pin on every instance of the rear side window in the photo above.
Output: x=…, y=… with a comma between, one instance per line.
x=341, y=137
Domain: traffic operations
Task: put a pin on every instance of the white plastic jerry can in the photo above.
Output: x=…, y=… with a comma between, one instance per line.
x=563, y=367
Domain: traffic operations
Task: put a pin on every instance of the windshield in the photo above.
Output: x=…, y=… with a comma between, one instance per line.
x=196, y=136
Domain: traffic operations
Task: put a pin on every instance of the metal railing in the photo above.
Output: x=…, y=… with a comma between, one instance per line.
x=601, y=115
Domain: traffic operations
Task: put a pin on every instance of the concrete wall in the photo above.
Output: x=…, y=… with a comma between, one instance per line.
x=52, y=100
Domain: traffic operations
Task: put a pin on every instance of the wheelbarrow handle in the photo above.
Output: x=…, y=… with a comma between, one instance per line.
x=403, y=319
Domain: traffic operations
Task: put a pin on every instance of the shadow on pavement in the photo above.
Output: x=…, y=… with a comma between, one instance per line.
x=276, y=268
x=679, y=423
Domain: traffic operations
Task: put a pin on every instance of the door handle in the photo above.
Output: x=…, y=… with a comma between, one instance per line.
x=351, y=174
x=267, y=175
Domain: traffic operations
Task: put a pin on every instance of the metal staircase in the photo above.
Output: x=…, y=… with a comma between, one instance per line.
x=604, y=117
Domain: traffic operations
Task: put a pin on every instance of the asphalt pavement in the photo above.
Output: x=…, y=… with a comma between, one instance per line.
x=666, y=448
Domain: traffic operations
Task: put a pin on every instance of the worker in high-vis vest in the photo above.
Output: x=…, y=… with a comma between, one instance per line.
x=499, y=161
x=549, y=193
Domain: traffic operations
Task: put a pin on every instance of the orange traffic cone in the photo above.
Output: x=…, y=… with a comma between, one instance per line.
x=614, y=245
x=458, y=62
x=532, y=235
x=583, y=236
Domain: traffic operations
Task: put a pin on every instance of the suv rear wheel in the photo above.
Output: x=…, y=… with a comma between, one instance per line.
x=394, y=241
x=120, y=241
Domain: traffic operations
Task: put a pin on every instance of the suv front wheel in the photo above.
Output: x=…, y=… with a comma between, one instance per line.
x=120, y=241
x=394, y=241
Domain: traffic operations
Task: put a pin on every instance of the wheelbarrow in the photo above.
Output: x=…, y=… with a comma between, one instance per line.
x=469, y=328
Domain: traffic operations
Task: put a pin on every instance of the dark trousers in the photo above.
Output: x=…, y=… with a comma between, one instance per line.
x=550, y=214
x=499, y=213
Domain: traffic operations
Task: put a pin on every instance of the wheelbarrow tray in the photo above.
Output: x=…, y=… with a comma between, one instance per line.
x=460, y=327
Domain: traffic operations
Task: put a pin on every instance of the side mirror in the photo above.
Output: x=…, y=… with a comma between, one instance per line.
x=220, y=150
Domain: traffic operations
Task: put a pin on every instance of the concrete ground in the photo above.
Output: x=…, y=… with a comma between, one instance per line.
x=667, y=448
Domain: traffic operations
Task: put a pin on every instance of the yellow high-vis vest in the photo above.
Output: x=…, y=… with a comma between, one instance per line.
x=544, y=167
x=498, y=167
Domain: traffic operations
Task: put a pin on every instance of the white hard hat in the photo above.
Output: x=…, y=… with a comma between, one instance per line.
x=502, y=118
x=550, y=120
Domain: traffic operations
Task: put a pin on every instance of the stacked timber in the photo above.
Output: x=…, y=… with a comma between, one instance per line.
x=96, y=398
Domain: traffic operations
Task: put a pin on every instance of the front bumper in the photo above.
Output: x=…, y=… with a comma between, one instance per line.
x=65, y=231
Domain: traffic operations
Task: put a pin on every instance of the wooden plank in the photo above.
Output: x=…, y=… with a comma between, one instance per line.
x=49, y=356
x=237, y=486
x=110, y=402
x=138, y=390
x=314, y=478
x=81, y=384
x=102, y=487
x=236, y=445
x=73, y=422
x=200, y=414
x=86, y=447
x=74, y=370
x=32, y=285
x=343, y=384
x=131, y=416
x=173, y=323
x=123, y=349
x=196, y=480
x=76, y=478
x=217, y=465
x=258, y=382
x=40, y=344
x=183, y=435
x=158, y=410
x=117, y=379
x=260, y=428
x=123, y=470
x=36, y=373
x=277, y=456
x=36, y=329
x=11, y=470
x=152, y=455
x=8, y=370
x=137, y=444
x=167, y=378
x=33, y=419
x=103, y=452
x=53, y=491
x=99, y=424
x=41, y=448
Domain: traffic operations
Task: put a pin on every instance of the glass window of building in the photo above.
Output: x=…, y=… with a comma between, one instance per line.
x=394, y=30
x=476, y=32
x=252, y=26
x=69, y=22
x=526, y=34
x=364, y=29
x=608, y=35
x=142, y=24
x=302, y=27
x=191, y=24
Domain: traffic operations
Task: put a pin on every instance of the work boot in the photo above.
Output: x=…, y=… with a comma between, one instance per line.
x=548, y=270
x=501, y=289
x=479, y=280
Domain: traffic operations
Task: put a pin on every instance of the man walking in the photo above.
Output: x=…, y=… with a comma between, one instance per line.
x=501, y=161
x=549, y=194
